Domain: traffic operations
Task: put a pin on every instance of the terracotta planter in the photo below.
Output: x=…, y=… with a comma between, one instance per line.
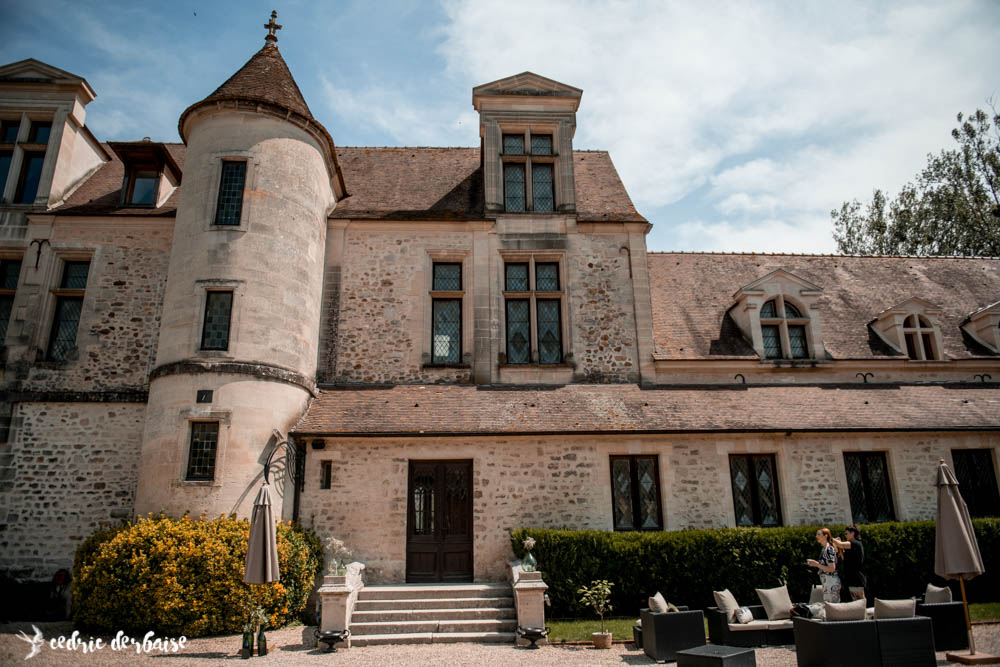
x=601, y=639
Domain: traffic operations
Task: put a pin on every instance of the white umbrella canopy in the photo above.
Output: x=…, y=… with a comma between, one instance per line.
x=262, y=548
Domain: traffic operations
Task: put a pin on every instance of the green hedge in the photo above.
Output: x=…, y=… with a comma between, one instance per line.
x=686, y=566
x=185, y=577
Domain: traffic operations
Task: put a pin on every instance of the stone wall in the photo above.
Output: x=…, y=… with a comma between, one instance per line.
x=564, y=482
x=67, y=470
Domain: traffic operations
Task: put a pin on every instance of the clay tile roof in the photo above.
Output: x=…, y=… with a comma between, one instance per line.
x=451, y=409
x=693, y=292
x=100, y=193
x=447, y=183
x=264, y=77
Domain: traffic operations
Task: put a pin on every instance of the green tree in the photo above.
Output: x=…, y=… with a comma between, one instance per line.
x=951, y=208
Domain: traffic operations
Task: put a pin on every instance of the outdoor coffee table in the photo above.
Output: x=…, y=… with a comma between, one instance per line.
x=716, y=655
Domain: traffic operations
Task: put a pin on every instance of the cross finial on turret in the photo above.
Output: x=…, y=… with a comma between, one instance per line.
x=271, y=26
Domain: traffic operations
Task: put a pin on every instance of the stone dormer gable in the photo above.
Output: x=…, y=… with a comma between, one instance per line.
x=31, y=71
x=150, y=173
x=983, y=326
x=526, y=124
x=911, y=327
x=779, y=314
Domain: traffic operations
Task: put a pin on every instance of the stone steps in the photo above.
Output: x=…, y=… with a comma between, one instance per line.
x=434, y=613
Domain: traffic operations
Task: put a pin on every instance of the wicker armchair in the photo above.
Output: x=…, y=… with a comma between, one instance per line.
x=948, y=619
x=666, y=633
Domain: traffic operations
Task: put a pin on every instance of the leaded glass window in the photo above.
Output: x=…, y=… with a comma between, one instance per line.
x=768, y=310
x=516, y=277
x=541, y=144
x=977, y=480
x=75, y=275
x=635, y=493
x=513, y=144
x=31, y=174
x=513, y=189
x=518, y=331
x=9, y=130
x=542, y=194
x=447, y=334
x=69, y=305
x=201, y=456
x=215, y=332
x=447, y=277
x=791, y=312
x=10, y=270
x=230, y=206
x=797, y=341
x=549, y=332
x=5, y=160
x=39, y=133
x=771, y=335
x=756, y=500
x=918, y=336
x=868, y=487
x=547, y=276
x=6, y=305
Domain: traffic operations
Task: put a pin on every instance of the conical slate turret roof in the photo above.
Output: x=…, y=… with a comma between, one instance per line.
x=265, y=77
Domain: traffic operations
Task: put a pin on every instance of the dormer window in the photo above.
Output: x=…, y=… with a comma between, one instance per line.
x=919, y=337
x=528, y=175
x=984, y=326
x=911, y=328
x=783, y=330
x=142, y=186
x=39, y=132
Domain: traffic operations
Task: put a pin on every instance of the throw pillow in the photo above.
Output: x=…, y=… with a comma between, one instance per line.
x=657, y=603
x=672, y=607
x=776, y=601
x=845, y=611
x=894, y=608
x=935, y=595
x=725, y=601
x=744, y=615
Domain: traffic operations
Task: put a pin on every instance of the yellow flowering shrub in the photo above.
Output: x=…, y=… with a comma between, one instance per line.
x=185, y=576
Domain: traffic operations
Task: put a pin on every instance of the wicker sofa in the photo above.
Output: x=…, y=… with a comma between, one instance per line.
x=890, y=642
x=759, y=632
x=948, y=618
x=663, y=634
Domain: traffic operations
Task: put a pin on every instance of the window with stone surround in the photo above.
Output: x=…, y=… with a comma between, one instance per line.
x=141, y=185
x=755, y=489
x=69, y=304
x=10, y=270
x=325, y=474
x=977, y=480
x=528, y=175
x=533, y=304
x=783, y=330
x=31, y=176
x=201, y=453
x=635, y=493
x=231, y=184
x=218, y=312
x=868, y=487
x=918, y=336
x=446, y=313
x=6, y=157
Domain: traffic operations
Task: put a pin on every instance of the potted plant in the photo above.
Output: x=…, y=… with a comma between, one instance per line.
x=528, y=563
x=598, y=596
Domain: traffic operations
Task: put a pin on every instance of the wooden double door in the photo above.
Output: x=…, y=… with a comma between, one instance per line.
x=439, y=522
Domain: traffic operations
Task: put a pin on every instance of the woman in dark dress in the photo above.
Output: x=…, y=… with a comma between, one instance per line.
x=827, y=565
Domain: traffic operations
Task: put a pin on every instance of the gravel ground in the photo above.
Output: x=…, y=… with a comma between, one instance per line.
x=288, y=647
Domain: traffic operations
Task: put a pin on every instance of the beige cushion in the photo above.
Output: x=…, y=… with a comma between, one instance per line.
x=752, y=625
x=657, y=603
x=845, y=611
x=935, y=595
x=776, y=601
x=725, y=601
x=816, y=595
x=894, y=608
x=780, y=625
x=744, y=615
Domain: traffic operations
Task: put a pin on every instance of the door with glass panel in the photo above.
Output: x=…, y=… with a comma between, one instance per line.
x=439, y=522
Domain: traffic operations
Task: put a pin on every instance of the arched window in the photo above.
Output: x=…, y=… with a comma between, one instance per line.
x=783, y=330
x=919, y=337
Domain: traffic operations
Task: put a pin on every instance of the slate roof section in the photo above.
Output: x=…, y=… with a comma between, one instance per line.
x=264, y=77
x=411, y=183
x=451, y=409
x=100, y=193
x=692, y=293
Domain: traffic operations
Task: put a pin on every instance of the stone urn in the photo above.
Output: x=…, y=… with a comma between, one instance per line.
x=601, y=639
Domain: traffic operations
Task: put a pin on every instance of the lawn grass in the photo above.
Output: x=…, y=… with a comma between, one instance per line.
x=985, y=611
x=579, y=630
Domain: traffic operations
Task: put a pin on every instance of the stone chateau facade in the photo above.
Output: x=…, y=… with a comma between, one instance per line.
x=453, y=342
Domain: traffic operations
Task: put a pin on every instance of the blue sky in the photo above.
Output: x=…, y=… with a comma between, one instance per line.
x=735, y=126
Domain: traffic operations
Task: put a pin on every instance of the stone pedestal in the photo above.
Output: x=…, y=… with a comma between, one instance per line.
x=529, y=599
x=337, y=597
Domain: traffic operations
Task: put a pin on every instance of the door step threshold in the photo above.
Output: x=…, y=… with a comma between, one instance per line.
x=499, y=602
x=434, y=638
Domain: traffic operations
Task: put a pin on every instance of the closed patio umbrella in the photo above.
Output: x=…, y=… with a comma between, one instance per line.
x=262, y=549
x=956, y=549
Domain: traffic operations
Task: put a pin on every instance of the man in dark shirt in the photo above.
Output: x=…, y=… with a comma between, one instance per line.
x=852, y=578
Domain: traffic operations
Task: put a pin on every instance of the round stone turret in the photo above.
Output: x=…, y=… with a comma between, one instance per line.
x=238, y=343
